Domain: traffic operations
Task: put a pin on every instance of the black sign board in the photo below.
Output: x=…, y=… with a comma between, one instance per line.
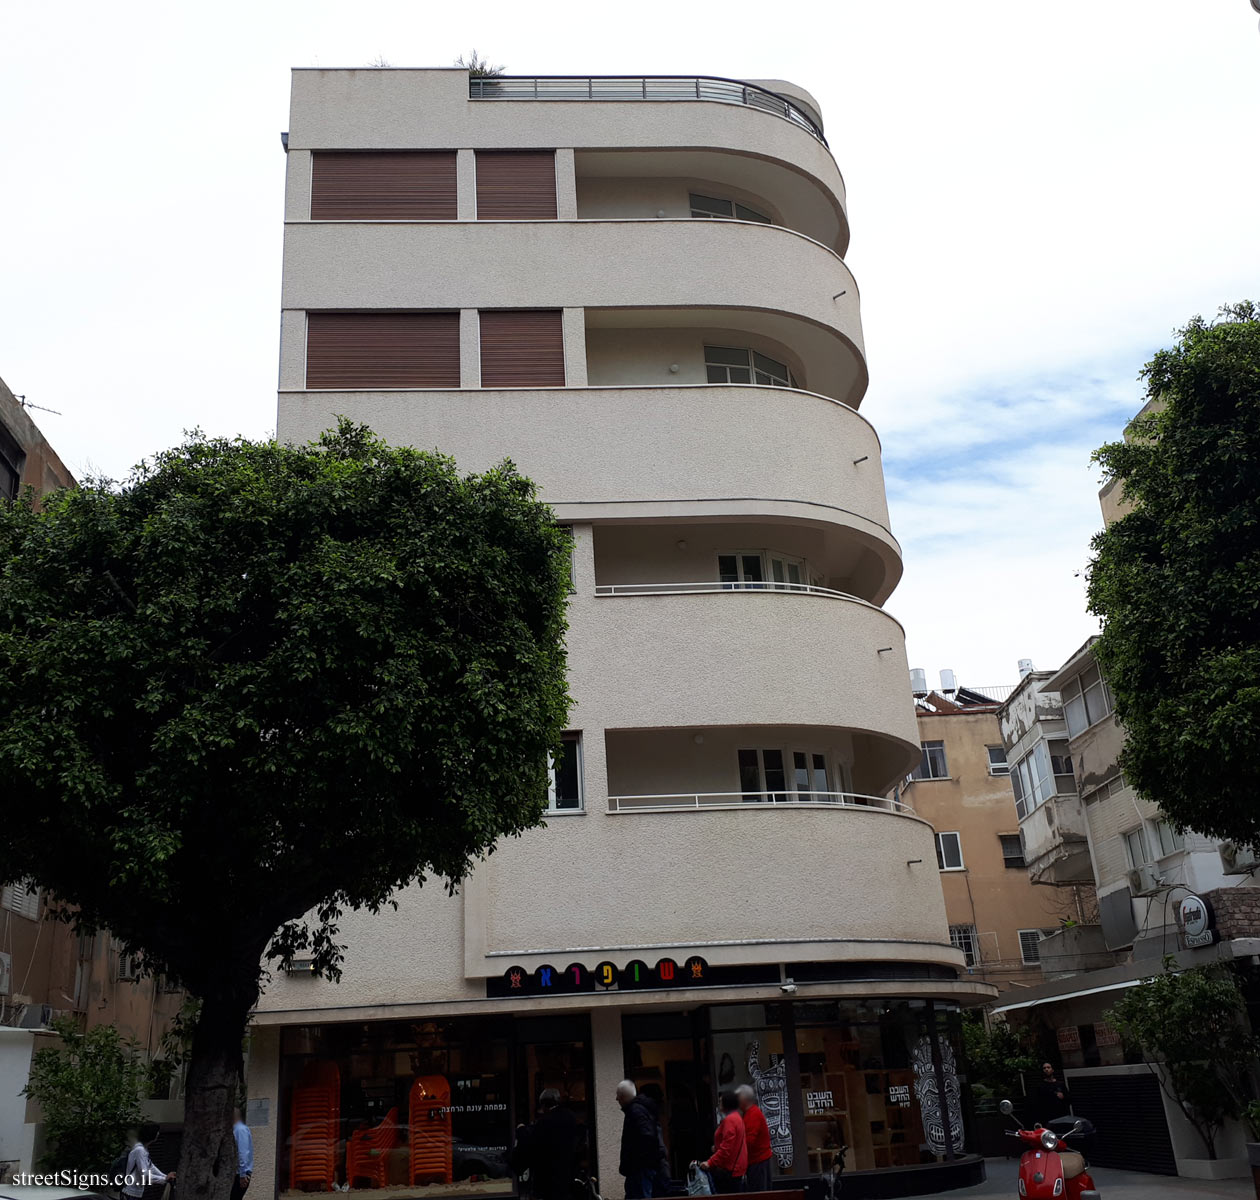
x=576, y=978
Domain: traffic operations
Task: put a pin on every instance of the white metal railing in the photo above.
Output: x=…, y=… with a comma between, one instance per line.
x=673, y=801
x=714, y=585
x=640, y=87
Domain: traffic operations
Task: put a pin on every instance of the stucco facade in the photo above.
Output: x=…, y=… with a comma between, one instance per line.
x=726, y=892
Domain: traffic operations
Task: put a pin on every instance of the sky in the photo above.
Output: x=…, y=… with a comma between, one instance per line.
x=1039, y=195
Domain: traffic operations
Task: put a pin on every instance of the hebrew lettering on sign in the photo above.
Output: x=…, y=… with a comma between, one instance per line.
x=772, y=1098
x=935, y=1109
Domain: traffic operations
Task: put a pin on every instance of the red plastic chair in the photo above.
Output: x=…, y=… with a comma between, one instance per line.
x=314, y=1120
x=430, y=1112
x=367, y=1151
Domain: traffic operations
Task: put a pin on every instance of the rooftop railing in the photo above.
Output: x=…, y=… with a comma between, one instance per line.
x=640, y=87
x=672, y=802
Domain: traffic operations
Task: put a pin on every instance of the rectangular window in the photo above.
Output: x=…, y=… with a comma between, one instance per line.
x=12, y=459
x=1085, y=700
x=1030, y=946
x=728, y=364
x=1135, y=846
x=1170, y=841
x=774, y=776
x=949, y=852
x=383, y=185
x=20, y=900
x=516, y=185
x=564, y=793
x=522, y=347
x=932, y=765
x=712, y=206
x=997, y=760
x=963, y=937
x=1061, y=767
x=350, y=351
x=1012, y=851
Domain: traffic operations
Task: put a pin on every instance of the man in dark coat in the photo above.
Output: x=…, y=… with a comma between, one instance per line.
x=640, y=1143
x=554, y=1143
x=1052, y=1096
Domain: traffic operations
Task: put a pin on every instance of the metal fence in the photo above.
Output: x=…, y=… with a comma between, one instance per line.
x=639, y=87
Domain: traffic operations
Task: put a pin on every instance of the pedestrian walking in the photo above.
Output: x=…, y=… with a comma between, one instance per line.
x=553, y=1146
x=640, y=1143
x=141, y=1173
x=728, y=1163
x=757, y=1137
x=244, y=1155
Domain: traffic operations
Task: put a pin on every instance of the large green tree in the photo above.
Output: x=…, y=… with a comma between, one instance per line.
x=1177, y=580
x=259, y=685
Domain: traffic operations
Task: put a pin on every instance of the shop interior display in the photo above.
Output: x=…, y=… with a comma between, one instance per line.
x=430, y=1119
x=367, y=1151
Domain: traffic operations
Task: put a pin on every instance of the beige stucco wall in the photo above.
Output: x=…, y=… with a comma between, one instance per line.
x=999, y=901
x=401, y=109
x=547, y=264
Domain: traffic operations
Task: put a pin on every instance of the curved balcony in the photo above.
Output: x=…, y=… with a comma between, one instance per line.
x=676, y=801
x=642, y=87
x=650, y=453
x=549, y=264
x=380, y=110
x=746, y=657
x=798, y=885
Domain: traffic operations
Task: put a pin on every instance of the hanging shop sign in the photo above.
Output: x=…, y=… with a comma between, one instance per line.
x=604, y=977
x=1069, y=1037
x=1104, y=1035
x=1197, y=921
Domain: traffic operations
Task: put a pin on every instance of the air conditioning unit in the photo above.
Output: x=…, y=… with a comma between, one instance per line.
x=6, y=974
x=1144, y=880
x=37, y=1016
x=128, y=966
x=1238, y=860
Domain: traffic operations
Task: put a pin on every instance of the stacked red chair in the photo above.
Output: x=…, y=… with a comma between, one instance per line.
x=367, y=1152
x=315, y=1118
x=430, y=1105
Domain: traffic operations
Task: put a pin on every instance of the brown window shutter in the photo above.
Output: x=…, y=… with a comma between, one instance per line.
x=393, y=185
x=382, y=350
x=516, y=185
x=522, y=347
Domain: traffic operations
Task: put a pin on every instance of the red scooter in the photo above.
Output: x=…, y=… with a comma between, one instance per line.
x=1049, y=1167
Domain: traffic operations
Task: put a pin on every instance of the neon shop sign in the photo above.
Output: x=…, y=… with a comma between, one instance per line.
x=605, y=977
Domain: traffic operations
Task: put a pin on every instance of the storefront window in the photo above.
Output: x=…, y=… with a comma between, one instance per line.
x=754, y=1054
x=428, y=1105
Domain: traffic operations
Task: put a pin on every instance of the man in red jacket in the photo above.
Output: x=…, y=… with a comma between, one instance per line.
x=757, y=1133
x=729, y=1160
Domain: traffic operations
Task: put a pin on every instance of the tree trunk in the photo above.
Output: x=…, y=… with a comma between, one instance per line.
x=207, y=1159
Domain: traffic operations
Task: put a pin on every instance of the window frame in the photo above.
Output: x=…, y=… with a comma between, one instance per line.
x=833, y=768
x=573, y=738
x=924, y=764
x=750, y=365
x=1012, y=862
x=940, y=850
x=767, y=562
x=971, y=948
x=18, y=899
x=1177, y=840
x=1081, y=700
x=998, y=769
x=1127, y=837
x=734, y=214
x=1023, y=951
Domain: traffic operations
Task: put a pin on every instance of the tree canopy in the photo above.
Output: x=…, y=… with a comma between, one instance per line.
x=1191, y=1026
x=258, y=685
x=1177, y=580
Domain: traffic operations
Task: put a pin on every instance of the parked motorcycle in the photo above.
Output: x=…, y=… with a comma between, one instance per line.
x=1049, y=1167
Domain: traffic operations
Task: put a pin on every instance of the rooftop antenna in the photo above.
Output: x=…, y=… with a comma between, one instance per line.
x=25, y=403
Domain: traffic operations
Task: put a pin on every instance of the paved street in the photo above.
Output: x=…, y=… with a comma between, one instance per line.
x=1115, y=1185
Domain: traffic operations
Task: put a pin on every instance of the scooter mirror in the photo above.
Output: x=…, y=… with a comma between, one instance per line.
x=1077, y=1128
x=1006, y=1107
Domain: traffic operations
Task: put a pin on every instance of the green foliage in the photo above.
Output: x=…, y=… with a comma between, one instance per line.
x=88, y=1088
x=997, y=1055
x=478, y=66
x=1193, y=1024
x=1177, y=580
x=259, y=685
x=174, y=1049
x=260, y=681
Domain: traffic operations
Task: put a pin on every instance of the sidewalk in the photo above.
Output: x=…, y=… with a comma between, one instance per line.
x=1115, y=1185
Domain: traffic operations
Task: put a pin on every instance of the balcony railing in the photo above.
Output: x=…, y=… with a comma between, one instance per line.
x=712, y=585
x=673, y=801
x=639, y=87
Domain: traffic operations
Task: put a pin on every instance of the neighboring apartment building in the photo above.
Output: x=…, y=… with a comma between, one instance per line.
x=1158, y=893
x=46, y=970
x=635, y=289
x=997, y=915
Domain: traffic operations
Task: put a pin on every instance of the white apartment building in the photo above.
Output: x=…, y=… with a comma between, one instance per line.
x=634, y=288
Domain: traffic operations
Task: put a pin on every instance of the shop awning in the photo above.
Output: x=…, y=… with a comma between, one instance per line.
x=1108, y=987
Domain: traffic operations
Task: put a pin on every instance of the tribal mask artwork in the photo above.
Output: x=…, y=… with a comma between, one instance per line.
x=772, y=1098
x=933, y=1108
